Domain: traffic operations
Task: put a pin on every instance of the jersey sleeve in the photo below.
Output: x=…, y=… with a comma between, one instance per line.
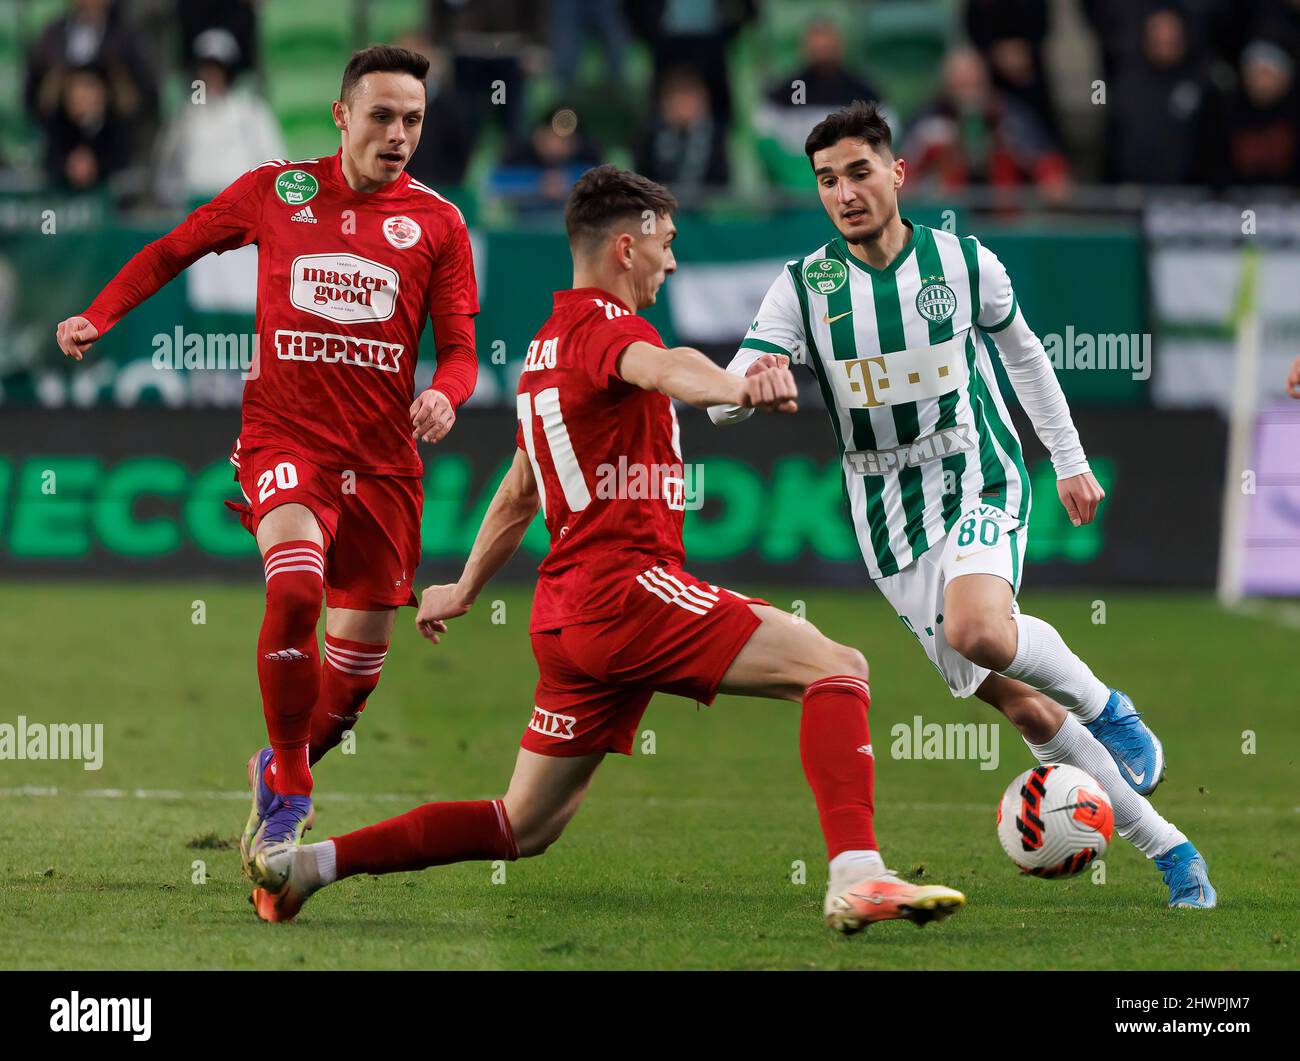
x=452, y=285
x=777, y=329
x=228, y=221
x=606, y=338
x=997, y=298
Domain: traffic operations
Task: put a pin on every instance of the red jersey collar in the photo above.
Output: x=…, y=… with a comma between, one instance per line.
x=332, y=171
x=577, y=294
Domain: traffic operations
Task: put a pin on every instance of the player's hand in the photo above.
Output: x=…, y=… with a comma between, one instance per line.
x=1293, y=379
x=766, y=361
x=437, y=604
x=75, y=336
x=1080, y=494
x=431, y=416
x=771, y=389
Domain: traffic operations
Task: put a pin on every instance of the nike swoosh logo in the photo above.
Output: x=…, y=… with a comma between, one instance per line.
x=832, y=320
x=868, y=898
x=966, y=556
x=1137, y=778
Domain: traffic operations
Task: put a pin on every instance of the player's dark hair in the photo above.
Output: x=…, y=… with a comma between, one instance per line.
x=858, y=121
x=607, y=195
x=382, y=59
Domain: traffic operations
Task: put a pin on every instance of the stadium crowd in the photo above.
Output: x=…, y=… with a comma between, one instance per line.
x=166, y=101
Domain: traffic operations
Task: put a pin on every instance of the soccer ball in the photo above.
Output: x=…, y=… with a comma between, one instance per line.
x=1054, y=820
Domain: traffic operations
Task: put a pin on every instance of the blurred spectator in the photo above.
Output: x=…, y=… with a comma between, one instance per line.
x=220, y=131
x=695, y=34
x=972, y=134
x=795, y=104
x=571, y=22
x=1010, y=35
x=1119, y=25
x=236, y=17
x=1255, y=136
x=445, y=143
x=1156, y=105
x=1277, y=21
x=685, y=146
x=539, y=173
x=493, y=44
x=85, y=143
x=93, y=34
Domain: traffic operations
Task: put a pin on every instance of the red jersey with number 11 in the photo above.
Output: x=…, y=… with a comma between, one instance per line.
x=606, y=455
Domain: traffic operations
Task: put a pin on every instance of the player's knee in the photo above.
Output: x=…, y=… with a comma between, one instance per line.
x=535, y=840
x=978, y=640
x=297, y=601
x=849, y=661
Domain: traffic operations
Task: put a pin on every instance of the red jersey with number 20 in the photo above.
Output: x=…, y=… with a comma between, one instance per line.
x=344, y=283
x=606, y=455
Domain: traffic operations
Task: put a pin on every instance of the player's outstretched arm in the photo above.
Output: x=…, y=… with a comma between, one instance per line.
x=1031, y=374
x=689, y=376
x=503, y=528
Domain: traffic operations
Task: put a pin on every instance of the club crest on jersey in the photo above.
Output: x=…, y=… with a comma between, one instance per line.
x=401, y=232
x=825, y=276
x=936, y=301
x=296, y=186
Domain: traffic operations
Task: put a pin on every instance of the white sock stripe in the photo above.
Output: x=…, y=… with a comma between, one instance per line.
x=285, y=569
x=274, y=562
x=846, y=682
x=358, y=671
x=289, y=554
x=675, y=596
x=699, y=591
x=345, y=661
x=352, y=654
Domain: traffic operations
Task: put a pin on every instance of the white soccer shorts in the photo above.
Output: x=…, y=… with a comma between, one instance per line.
x=984, y=541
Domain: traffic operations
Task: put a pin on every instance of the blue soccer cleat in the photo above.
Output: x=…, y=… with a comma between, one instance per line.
x=1137, y=751
x=1185, y=872
x=264, y=798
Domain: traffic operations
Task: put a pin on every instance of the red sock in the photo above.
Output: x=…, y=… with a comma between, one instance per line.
x=432, y=835
x=288, y=660
x=835, y=746
x=348, y=676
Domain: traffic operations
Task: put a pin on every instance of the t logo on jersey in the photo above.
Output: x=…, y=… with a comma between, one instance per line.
x=343, y=287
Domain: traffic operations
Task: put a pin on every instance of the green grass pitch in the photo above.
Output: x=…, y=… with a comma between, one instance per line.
x=684, y=859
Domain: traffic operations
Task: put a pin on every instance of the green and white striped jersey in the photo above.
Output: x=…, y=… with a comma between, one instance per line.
x=904, y=361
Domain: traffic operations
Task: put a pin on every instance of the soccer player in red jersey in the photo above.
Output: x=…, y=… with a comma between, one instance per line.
x=616, y=617
x=353, y=255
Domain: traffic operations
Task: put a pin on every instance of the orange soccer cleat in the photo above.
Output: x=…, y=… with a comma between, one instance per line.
x=887, y=898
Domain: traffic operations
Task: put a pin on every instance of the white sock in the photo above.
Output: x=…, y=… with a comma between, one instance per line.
x=324, y=853
x=1044, y=662
x=852, y=866
x=1135, y=819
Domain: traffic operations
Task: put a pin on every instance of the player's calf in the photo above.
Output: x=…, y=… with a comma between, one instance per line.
x=349, y=674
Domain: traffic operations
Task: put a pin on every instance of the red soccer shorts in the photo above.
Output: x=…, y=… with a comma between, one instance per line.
x=677, y=634
x=371, y=523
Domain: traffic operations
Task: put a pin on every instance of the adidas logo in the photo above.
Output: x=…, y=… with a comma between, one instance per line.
x=865, y=749
x=305, y=215
x=285, y=655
